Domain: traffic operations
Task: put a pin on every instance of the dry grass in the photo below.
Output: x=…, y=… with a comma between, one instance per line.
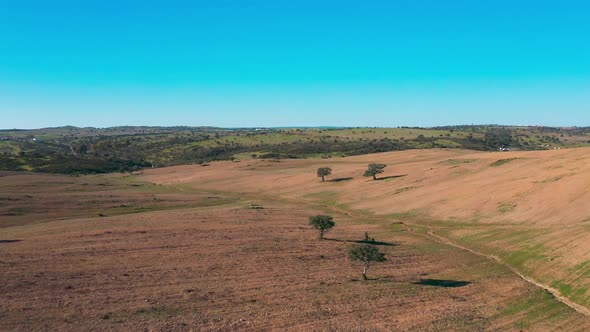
x=184, y=263
x=538, y=200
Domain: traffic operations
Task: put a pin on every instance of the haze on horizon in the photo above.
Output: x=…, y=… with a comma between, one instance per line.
x=279, y=63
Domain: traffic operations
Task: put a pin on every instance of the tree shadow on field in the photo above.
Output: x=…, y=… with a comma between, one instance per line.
x=391, y=177
x=442, y=283
x=370, y=279
x=339, y=180
x=375, y=243
x=9, y=241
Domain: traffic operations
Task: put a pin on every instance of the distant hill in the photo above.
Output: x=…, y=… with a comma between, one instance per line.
x=71, y=149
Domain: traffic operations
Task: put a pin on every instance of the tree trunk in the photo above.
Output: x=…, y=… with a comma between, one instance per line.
x=374, y=177
x=365, y=268
x=321, y=234
x=322, y=178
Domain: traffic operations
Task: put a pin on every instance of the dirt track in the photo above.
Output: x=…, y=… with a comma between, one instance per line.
x=556, y=293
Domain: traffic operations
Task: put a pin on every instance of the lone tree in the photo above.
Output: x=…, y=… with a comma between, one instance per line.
x=374, y=169
x=323, y=172
x=366, y=254
x=322, y=223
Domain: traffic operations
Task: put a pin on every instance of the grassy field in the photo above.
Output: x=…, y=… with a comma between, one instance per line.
x=528, y=209
x=186, y=263
x=211, y=247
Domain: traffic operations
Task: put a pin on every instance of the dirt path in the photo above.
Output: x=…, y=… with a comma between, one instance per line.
x=579, y=308
x=556, y=293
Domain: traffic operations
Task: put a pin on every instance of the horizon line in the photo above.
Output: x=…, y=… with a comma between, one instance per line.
x=300, y=127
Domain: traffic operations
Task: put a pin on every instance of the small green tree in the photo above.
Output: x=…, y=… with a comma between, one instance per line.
x=322, y=223
x=323, y=172
x=366, y=254
x=374, y=169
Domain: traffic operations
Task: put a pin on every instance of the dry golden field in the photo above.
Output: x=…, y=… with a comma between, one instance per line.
x=182, y=249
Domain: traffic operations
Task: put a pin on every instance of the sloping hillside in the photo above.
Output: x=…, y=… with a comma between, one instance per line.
x=528, y=208
x=111, y=252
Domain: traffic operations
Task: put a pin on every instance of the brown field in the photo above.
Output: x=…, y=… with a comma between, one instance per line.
x=179, y=248
x=530, y=209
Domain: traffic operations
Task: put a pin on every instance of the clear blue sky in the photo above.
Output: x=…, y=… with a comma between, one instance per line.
x=281, y=63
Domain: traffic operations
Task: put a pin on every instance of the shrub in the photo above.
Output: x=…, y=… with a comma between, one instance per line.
x=322, y=223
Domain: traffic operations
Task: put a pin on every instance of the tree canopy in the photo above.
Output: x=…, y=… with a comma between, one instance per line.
x=497, y=138
x=374, y=169
x=366, y=254
x=322, y=223
x=323, y=172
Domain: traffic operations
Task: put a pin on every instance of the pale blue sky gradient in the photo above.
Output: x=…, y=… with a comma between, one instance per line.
x=294, y=63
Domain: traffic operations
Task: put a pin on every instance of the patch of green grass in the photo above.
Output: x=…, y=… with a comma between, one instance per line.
x=501, y=162
x=506, y=207
x=9, y=147
x=327, y=198
x=322, y=195
x=454, y=162
x=396, y=227
x=521, y=258
x=515, y=237
x=434, y=247
x=538, y=307
x=579, y=295
x=582, y=269
x=446, y=143
x=408, y=215
x=481, y=236
x=562, y=287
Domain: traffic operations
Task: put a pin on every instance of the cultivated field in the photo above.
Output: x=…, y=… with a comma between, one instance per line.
x=181, y=248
